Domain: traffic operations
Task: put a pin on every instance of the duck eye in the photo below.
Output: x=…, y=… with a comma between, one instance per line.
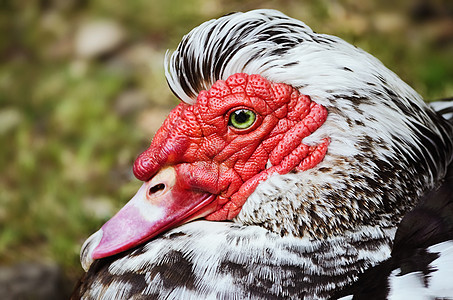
x=242, y=118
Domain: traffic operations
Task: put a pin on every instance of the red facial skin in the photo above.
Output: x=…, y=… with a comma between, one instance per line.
x=199, y=165
x=213, y=157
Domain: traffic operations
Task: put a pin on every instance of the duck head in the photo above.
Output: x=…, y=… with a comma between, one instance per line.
x=207, y=158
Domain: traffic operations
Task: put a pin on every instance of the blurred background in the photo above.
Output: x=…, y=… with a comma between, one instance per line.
x=82, y=92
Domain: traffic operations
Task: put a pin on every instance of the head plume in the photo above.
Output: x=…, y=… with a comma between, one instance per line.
x=236, y=43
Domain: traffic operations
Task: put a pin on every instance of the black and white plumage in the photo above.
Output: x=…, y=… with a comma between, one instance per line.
x=308, y=234
x=421, y=262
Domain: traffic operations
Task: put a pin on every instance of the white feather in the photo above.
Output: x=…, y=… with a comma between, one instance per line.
x=440, y=280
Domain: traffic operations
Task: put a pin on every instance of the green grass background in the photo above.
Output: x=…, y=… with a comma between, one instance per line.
x=71, y=128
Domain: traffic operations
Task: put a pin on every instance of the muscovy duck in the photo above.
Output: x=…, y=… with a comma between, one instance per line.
x=284, y=173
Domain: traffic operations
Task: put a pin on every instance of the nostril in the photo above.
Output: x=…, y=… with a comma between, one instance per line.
x=154, y=190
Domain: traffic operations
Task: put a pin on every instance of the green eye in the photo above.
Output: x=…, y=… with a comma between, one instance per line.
x=242, y=118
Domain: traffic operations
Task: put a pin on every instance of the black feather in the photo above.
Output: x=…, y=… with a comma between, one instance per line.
x=429, y=223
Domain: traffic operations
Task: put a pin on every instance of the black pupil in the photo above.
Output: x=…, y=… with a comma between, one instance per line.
x=241, y=116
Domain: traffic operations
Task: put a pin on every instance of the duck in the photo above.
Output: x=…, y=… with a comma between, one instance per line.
x=296, y=166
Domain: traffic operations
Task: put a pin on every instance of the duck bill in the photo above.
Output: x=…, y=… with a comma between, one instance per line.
x=159, y=205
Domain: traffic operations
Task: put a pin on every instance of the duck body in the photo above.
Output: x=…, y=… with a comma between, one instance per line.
x=309, y=161
x=223, y=260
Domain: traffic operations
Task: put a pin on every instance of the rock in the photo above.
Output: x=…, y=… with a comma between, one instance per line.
x=31, y=281
x=131, y=101
x=389, y=22
x=99, y=207
x=151, y=120
x=10, y=118
x=97, y=38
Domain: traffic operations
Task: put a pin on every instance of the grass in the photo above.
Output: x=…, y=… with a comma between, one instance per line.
x=70, y=129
